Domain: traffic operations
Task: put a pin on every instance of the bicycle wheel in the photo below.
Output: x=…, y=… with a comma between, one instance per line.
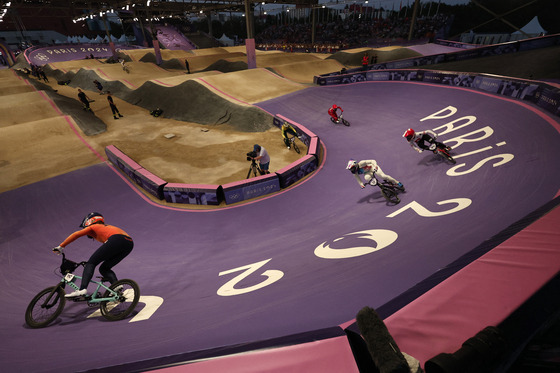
x=446, y=155
x=345, y=122
x=45, y=307
x=129, y=294
x=390, y=195
x=296, y=148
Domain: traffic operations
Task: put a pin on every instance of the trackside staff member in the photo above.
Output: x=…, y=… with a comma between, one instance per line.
x=262, y=157
x=116, y=245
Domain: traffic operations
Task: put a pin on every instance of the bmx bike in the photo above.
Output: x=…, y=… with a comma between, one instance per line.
x=442, y=150
x=116, y=301
x=293, y=144
x=389, y=191
x=340, y=120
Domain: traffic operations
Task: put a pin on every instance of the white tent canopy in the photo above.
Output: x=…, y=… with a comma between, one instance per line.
x=533, y=28
x=226, y=41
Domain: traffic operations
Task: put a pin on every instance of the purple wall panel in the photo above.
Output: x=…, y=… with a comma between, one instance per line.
x=122, y=161
x=251, y=188
x=549, y=100
x=192, y=194
x=149, y=182
x=59, y=53
x=296, y=171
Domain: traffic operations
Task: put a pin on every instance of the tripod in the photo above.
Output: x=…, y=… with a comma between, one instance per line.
x=254, y=168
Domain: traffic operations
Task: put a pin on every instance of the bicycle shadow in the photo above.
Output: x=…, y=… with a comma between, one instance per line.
x=375, y=198
x=432, y=160
x=75, y=314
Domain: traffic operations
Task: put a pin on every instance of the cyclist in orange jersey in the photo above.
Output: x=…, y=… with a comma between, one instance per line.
x=116, y=245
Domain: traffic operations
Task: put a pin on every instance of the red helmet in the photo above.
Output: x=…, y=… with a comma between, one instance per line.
x=92, y=218
x=335, y=107
x=408, y=134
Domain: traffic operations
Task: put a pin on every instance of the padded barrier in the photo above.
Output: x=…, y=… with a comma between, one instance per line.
x=297, y=170
x=542, y=94
x=149, y=182
x=193, y=194
x=144, y=178
x=246, y=189
x=201, y=194
x=122, y=161
x=313, y=148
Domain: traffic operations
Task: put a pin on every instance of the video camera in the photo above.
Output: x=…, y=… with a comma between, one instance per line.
x=251, y=155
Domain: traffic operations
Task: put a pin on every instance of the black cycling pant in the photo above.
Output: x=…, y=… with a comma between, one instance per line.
x=116, y=248
x=425, y=142
x=287, y=139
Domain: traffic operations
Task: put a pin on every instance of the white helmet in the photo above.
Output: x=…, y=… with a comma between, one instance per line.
x=352, y=166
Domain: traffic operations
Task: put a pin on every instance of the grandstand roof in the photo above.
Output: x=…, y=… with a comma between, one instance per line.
x=65, y=8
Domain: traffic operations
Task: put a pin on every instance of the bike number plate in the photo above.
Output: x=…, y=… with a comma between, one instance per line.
x=69, y=277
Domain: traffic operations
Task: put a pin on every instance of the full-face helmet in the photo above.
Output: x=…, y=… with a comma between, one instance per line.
x=408, y=134
x=352, y=166
x=92, y=218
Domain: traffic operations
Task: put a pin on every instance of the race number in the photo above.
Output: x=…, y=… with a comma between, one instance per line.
x=228, y=289
x=461, y=203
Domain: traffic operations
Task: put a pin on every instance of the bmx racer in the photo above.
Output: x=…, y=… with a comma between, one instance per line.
x=116, y=245
x=288, y=129
x=333, y=113
x=368, y=168
x=425, y=140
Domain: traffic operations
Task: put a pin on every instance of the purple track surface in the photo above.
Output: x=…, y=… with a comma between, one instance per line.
x=185, y=258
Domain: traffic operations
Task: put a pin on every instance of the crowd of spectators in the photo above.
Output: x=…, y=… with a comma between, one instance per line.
x=346, y=33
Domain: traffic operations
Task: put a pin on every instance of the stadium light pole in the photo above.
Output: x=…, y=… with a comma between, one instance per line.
x=413, y=21
x=250, y=40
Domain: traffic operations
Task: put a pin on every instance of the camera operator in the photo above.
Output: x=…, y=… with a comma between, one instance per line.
x=263, y=158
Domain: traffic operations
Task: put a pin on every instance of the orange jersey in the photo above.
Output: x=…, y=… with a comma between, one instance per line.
x=99, y=232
